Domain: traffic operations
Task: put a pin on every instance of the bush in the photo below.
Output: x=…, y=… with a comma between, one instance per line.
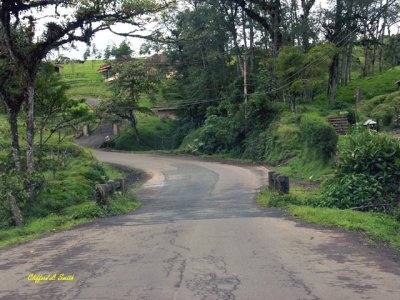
x=351, y=190
x=384, y=108
x=367, y=175
x=318, y=135
x=219, y=134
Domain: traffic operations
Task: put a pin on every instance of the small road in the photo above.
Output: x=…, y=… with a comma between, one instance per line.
x=199, y=235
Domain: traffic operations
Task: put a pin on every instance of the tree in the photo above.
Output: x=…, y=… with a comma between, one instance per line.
x=123, y=51
x=86, y=54
x=67, y=22
x=201, y=59
x=54, y=110
x=290, y=60
x=269, y=15
x=12, y=95
x=95, y=54
x=305, y=22
x=107, y=52
x=134, y=80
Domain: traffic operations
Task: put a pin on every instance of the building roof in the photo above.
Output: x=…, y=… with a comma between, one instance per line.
x=104, y=68
x=369, y=122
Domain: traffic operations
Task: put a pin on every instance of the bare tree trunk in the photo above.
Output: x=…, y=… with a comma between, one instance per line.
x=348, y=66
x=15, y=139
x=343, y=66
x=15, y=209
x=367, y=62
x=40, y=143
x=30, y=129
x=305, y=24
x=373, y=58
x=333, y=72
x=382, y=35
x=133, y=122
x=293, y=106
x=251, y=53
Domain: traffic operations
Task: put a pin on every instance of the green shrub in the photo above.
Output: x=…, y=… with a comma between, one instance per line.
x=368, y=173
x=219, y=134
x=351, y=190
x=383, y=108
x=254, y=146
x=318, y=135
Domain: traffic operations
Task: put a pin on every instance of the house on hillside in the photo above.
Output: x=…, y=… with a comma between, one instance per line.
x=106, y=71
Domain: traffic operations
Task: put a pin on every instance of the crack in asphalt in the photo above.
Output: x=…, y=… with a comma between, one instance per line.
x=209, y=284
x=298, y=283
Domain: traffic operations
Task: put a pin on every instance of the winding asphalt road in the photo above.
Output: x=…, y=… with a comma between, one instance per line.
x=198, y=235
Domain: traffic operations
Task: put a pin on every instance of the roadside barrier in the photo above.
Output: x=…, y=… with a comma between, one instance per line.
x=278, y=182
x=106, y=190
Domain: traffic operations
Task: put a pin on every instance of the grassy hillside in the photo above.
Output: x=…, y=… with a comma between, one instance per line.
x=65, y=186
x=372, y=86
x=84, y=80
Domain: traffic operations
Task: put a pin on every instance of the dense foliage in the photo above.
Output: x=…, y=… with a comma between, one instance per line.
x=318, y=135
x=368, y=174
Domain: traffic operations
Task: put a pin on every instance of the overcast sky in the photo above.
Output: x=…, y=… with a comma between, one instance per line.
x=104, y=38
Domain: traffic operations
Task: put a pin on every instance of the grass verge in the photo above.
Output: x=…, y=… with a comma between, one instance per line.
x=72, y=208
x=377, y=226
x=67, y=219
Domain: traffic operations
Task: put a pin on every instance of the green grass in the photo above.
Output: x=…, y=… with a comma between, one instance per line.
x=84, y=80
x=64, y=201
x=67, y=219
x=383, y=108
x=379, y=227
x=155, y=134
x=301, y=168
x=372, y=86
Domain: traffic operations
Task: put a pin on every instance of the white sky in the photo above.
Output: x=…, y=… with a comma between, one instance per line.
x=104, y=38
x=101, y=40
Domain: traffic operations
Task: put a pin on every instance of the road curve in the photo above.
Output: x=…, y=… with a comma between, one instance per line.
x=198, y=235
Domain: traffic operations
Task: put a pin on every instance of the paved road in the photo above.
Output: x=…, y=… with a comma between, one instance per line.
x=199, y=235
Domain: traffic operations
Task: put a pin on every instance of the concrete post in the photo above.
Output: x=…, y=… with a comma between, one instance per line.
x=115, y=128
x=85, y=130
x=270, y=179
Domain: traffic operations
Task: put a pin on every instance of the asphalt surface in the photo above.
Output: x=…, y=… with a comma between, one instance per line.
x=198, y=235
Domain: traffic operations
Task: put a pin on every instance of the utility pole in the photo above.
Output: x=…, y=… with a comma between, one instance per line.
x=246, y=96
